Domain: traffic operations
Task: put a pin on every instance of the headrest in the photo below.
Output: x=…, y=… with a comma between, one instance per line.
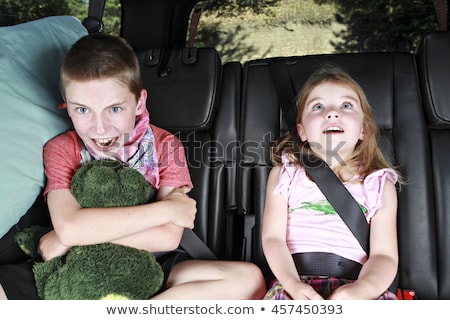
x=183, y=87
x=433, y=60
x=375, y=72
x=31, y=54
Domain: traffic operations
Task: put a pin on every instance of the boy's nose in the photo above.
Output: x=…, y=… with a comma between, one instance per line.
x=102, y=125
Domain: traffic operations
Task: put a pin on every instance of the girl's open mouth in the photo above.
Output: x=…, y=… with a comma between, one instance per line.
x=333, y=130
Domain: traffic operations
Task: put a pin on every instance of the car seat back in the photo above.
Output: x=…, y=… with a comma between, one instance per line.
x=434, y=76
x=193, y=96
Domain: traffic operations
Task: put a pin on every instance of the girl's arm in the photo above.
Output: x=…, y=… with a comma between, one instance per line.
x=274, y=242
x=380, y=269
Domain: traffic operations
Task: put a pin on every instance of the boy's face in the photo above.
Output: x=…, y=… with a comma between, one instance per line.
x=103, y=113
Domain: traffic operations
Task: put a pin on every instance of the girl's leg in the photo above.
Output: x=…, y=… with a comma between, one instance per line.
x=214, y=280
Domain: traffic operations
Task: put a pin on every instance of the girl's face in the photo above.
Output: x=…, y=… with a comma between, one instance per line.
x=103, y=113
x=332, y=122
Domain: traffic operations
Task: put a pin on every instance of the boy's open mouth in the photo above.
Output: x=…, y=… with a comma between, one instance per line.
x=104, y=143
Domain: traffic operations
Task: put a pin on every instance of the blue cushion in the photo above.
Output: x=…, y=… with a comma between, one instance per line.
x=30, y=58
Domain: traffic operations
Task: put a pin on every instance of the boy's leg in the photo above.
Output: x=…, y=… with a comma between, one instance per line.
x=2, y=293
x=17, y=282
x=216, y=280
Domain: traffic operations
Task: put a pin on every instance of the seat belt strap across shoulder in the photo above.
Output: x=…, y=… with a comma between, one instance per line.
x=339, y=197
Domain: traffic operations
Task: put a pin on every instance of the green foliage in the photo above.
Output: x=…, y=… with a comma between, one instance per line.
x=382, y=25
x=111, y=16
x=111, y=13
x=78, y=8
x=14, y=12
x=231, y=7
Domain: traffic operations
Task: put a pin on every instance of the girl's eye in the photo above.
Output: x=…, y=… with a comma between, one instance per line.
x=317, y=106
x=82, y=110
x=116, y=109
x=347, y=105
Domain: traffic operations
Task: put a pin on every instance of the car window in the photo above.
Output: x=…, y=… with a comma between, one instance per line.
x=247, y=29
x=243, y=30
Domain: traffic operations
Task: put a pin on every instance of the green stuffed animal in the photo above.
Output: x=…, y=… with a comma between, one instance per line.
x=100, y=271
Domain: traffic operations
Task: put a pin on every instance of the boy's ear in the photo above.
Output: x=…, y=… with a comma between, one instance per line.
x=142, y=102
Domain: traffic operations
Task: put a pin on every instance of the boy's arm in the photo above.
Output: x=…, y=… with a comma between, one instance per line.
x=75, y=225
x=161, y=238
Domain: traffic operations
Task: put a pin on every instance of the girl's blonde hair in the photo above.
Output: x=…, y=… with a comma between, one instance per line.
x=367, y=156
x=102, y=56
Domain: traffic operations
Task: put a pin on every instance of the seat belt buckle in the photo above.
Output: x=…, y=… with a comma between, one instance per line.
x=406, y=294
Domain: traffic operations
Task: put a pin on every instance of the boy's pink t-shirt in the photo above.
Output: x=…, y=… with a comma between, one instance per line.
x=312, y=226
x=62, y=157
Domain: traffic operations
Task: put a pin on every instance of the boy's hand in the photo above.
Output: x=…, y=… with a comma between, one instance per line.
x=50, y=246
x=184, y=207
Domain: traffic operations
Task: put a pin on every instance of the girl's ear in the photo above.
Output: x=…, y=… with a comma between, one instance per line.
x=362, y=135
x=142, y=102
x=301, y=132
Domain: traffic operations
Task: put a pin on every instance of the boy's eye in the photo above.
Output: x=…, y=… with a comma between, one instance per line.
x=82, y=110
x=116, y=109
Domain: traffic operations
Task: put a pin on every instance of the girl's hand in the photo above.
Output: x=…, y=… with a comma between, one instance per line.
x=303, y=291
x=50, y=246
x=349, y=291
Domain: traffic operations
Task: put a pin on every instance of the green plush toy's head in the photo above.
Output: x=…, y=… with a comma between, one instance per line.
x=101, y=271
x=108, y=183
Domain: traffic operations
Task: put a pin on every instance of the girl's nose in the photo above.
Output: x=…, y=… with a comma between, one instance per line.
x=332, y=113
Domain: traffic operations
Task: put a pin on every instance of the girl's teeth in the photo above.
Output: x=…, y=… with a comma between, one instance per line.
x=333, y=129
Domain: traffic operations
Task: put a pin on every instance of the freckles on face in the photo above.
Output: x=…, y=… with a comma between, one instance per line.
x=103, y=111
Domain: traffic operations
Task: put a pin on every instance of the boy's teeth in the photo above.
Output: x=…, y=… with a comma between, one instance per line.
x=103, y=142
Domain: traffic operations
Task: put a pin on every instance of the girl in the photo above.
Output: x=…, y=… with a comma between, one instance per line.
x=335, y=123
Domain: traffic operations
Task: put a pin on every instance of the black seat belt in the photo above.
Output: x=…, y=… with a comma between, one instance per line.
x=325, y=178
x=94, y=21
x=195, y=247
x=339, y=197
